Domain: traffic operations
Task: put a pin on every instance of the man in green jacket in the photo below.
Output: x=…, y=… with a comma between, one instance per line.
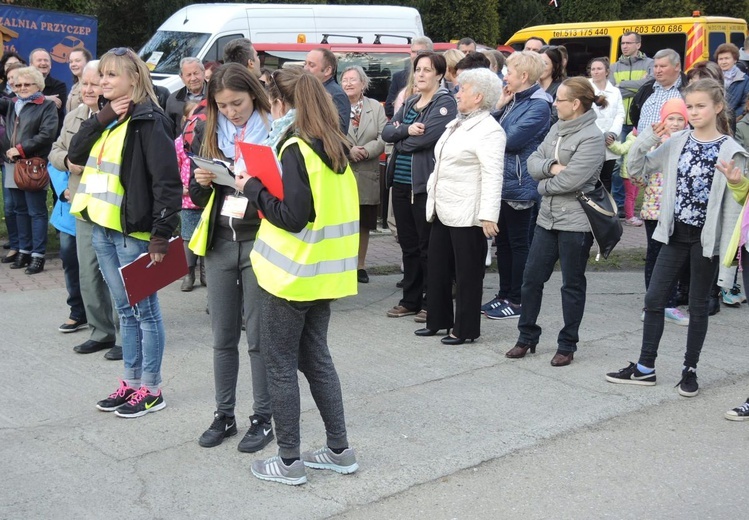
x=631, y=71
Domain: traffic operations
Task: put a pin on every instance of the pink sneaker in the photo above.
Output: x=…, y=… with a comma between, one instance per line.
x=633, y=221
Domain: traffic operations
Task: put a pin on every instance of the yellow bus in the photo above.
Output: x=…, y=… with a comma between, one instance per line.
x=694, y=38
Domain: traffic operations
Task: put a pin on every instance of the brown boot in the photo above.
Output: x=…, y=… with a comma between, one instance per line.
x=202, y=272
x=188, y=281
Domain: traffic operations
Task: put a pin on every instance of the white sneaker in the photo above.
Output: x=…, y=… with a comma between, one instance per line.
x=675, y=316
x=732, y=298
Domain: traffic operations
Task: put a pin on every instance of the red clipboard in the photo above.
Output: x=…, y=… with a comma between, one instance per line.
x=260, y=161
x=142, y=277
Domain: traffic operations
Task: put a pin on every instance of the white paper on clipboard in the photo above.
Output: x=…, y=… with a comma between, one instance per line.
x=219, y=168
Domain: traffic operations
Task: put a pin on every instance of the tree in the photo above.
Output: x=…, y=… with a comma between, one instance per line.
x=446, y=20
x=587, y=11
x=734, y=8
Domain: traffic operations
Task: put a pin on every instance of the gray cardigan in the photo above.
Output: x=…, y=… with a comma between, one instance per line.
x=578, y=145
x=722, y=210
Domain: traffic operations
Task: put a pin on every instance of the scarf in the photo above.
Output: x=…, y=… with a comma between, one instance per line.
x=255, y=131
x=279, y=128
x=21, y=102
x=356, y=110
x=729, y=75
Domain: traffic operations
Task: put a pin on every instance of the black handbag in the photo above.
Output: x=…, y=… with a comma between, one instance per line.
x=603, y=217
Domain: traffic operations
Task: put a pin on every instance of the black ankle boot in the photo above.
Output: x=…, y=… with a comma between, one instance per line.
x=21, y=261
x=36, y=265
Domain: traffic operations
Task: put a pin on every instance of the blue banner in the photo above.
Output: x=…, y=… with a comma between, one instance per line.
x=25, y=29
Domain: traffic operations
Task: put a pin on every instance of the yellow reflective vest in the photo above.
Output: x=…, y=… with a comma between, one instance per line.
x=320, y=261
x=100, y=193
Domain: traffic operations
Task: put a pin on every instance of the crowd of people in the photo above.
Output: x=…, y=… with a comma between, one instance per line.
x=480, y=149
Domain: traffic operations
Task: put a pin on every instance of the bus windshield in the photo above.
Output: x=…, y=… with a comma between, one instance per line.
x=165, y=49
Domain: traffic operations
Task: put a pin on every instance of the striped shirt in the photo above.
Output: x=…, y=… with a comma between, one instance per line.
x=403, y=160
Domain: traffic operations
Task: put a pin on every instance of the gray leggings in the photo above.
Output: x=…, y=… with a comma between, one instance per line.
x=294, y=336
x=232, y=283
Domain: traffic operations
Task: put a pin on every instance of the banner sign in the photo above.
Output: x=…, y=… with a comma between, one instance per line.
x=59, y=33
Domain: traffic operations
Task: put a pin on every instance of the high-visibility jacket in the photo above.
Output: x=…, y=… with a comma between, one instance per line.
x=104, y=162
x=320, y=261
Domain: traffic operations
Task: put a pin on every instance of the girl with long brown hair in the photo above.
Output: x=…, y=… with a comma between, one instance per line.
x=305, y=256
x=237, y=110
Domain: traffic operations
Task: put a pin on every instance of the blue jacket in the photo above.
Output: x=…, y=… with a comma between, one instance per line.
x=60, y=217
x=525, y=121
x=736, y=94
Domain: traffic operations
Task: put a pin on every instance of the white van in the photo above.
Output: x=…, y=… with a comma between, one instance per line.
x=202, y=30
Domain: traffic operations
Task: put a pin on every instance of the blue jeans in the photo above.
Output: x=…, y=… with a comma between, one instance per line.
x=141, y=326
x=32, y=217
x=9, y=208
x=69, y=257
x=512, y=250
x=572, y=249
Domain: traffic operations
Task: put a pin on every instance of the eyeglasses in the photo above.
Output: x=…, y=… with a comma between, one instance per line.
x=24, y=85
x=125, y=51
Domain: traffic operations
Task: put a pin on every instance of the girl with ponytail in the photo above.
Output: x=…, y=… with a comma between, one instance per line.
x=305, y=255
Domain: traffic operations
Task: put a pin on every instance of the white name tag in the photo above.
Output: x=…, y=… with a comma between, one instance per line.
x=96, y=183
x=234, y=206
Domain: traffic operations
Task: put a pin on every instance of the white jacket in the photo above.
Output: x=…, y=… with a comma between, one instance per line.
x=611, y=118
x=466, y=185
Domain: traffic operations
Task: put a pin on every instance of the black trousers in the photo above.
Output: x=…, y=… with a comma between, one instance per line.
x=459, y=253
x=413, y=237
x=683, y=245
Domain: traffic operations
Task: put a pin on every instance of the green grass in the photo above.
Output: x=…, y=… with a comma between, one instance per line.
x=53, y=242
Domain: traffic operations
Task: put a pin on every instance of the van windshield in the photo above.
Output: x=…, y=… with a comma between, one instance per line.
x=165, y=49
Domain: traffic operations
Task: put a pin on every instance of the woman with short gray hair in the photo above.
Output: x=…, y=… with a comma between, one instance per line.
x=365, y=137
x=463, y=198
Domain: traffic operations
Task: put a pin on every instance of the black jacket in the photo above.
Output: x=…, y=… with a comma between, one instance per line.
x=237, y=230
x=398, y=83
x=642, y=95
x=298, y=206
x=54, y=86
x=149, y=172
x=36, y=131
x=441, y=110
x=175, y=106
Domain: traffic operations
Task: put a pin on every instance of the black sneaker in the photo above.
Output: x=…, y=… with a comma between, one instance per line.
x=631, y=376
x=141, y=403
x=740, y=413
x=221, y=428
x=116, y=398
x=257, y=437
x=688, y=386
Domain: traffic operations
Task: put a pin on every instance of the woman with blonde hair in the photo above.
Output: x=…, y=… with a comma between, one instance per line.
x=524, y=113
x=299, y=274
x=131, y=191
x=31, y=128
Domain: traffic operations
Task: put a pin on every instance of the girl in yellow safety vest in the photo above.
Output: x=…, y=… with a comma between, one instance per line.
x=304, y=256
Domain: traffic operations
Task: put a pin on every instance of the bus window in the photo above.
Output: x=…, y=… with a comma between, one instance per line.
x=737, y=38
x=582, y=50
x=714, y=40
x=655, y=42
